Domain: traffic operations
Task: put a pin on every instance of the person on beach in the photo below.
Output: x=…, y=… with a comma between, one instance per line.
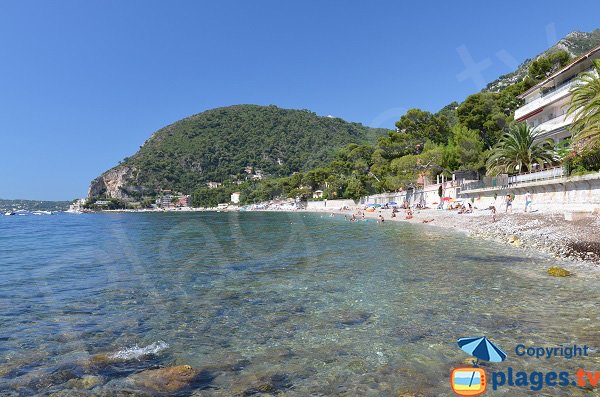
x=509, y=201
x=493, y=208
x=528, y=201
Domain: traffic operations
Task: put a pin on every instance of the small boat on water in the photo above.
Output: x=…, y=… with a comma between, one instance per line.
x=41, y=212
x=22, y=212
x=9, y=213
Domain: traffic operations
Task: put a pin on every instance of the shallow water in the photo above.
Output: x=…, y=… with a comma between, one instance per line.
x=308, y=304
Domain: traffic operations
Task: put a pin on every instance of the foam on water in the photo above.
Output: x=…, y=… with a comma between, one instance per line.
x=136, y=352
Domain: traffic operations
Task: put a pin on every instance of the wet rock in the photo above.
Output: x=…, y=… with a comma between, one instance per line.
x=85, y=382
x=69, y=393
x=257, y=384
x=38, y=380
x=556, y=271
x=100, y=360
x=104, y=364
x=172, y=379
x=121, y=393
x=264, y=388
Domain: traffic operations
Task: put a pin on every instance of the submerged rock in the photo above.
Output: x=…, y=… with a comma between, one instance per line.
x=171, y=379
x=257, y=384
x=85, y=382
x=556, y=271
x=41, y=380
x=352, y=318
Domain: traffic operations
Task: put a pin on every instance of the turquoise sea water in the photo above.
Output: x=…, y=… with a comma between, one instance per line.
x=309, y=305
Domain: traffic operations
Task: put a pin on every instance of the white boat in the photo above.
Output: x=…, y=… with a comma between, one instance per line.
x=9, y=213
x=42, y=212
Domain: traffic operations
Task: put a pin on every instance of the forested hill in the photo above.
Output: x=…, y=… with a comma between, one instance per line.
x=219, y=145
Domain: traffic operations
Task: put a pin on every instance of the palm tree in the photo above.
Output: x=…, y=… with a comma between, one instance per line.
x=585, y=105
x=518, y=150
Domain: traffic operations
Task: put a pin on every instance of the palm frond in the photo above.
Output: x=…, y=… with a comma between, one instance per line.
x=585, y=105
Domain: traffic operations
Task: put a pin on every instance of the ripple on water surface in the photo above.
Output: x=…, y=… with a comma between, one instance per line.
x=263, y=304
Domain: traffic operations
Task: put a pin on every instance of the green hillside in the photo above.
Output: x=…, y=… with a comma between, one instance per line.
x=219, y=144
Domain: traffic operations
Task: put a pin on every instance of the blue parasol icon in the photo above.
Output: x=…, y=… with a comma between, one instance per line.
x=482, y=348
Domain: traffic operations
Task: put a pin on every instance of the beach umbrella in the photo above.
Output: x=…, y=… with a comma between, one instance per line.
x=446, y=199
x=482, y=348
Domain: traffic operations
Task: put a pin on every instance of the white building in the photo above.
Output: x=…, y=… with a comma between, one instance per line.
x=235, y=197
x=77, y=206
x=547, y=102
x=165, y=201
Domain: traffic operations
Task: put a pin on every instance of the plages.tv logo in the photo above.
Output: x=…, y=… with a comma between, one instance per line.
x=472, y=381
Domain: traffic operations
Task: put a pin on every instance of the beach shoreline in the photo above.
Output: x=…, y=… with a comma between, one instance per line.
x=545, y=232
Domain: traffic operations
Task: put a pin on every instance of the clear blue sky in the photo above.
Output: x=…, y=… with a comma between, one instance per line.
x=84, y=83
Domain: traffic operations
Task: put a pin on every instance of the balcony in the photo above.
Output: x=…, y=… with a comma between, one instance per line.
x=547, y=98
x=555, y=123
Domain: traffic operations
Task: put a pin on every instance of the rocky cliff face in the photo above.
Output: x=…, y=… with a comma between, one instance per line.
x=114, y=183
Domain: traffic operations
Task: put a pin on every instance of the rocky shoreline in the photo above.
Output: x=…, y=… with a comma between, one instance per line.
x=548, y=233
